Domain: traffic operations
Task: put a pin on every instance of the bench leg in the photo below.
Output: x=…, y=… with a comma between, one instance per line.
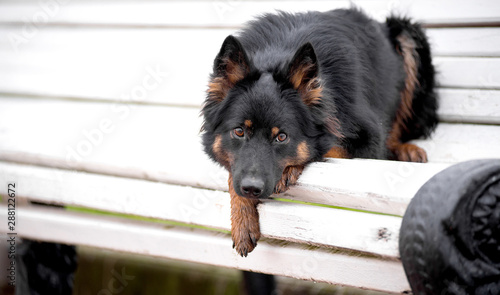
x=46, y=268
x=258, y=283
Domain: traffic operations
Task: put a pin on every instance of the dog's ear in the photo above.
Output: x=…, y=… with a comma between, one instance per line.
x=303, y=74
x=230, y=66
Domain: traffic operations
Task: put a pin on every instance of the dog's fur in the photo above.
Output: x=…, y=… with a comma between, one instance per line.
x=295, y=88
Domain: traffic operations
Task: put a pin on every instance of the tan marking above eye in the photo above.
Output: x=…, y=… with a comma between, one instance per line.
x=274, y=132
x=248, y=123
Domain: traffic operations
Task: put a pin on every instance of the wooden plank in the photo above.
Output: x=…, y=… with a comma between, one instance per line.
x=465, y=41
x=101, y=63
x=210, y=248
x=131, y=65
x=455, y=105
x=453, y=141
x=282, y=220
x=85, y=132
x=477, y=104
x=233, y=13
x=370, y=185
x=466, y=72
x=150, y=142
x=469, y=106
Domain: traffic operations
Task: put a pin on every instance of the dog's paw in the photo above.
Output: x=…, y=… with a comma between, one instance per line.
x=410, y=153
x=245, y=240
x=290, y=177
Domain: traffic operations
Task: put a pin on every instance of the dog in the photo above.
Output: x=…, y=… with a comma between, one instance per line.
x=291, y=89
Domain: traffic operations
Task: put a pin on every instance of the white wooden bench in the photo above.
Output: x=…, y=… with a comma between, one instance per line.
x=99, y=112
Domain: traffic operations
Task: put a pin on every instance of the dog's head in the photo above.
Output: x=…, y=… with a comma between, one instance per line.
x=257, y=123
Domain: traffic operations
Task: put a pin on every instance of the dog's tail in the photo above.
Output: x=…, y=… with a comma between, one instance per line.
x=417, y=112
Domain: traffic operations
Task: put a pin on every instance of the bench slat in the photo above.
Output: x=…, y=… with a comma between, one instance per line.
x=469, y=106
x=111, y=64
x=211, y=248
x=108, y=133
x=465, y=41
x=233, y=13
x=455, y=105
x=450, y=143
x=282, y=220
x=466, y=72
x=369, y=185
x=99, y=42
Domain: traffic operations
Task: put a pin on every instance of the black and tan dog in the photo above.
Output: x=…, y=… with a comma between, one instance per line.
x=295, y=88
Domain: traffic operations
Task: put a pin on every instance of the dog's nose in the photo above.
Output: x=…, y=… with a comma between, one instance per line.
x=252, y=187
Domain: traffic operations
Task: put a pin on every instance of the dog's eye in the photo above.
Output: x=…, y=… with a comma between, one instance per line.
x=281, y=137
x=239, y=132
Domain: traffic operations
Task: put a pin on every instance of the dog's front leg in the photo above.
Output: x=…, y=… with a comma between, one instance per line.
x=245, y=229
x=290, y=177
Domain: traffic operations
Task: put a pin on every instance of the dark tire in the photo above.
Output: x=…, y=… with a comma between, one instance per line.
x=450, y=236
